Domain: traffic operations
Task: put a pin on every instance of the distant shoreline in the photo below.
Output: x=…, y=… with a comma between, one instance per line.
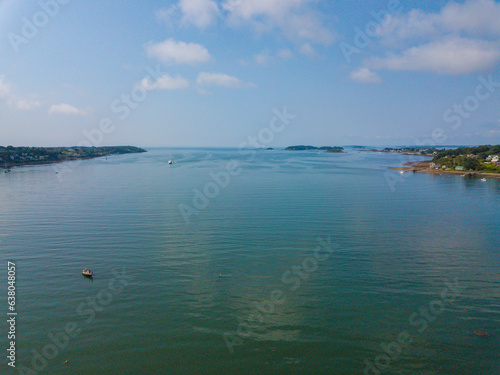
x=11, y=157
x=330, y=149
x=36, y=162
x=424, y=167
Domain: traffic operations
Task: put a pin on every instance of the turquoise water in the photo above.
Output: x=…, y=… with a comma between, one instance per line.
x=302, y=263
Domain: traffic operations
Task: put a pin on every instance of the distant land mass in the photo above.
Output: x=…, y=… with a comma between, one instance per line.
x=309, y=148
x=415, y=150
x=359, y=147
x=17, y=156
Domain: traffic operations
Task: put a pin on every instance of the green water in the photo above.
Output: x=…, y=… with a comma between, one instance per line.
x=301, y=263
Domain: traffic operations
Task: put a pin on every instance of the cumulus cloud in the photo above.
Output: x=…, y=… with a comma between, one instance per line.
x=66, y=109
x=480, y=16
x=200, y=13
x=451, y=56
x=296, y=19
x=365, y=75
x=461, y=38
x=165, y=82
x=223, y=80
x=173, y=52
x=474, y=17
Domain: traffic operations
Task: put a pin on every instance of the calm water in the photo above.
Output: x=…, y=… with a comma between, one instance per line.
x=305, y=263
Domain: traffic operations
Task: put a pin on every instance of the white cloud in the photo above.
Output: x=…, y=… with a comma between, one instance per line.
x=224, y=80
x=474, y=17
x=4, y=88
x=204, y=92
x=201, y=13
x=15, y=102
x=66, y=109
x=294, y=18
x=479, y=16
x=461, y=38
x=492, y=133
x=165, y=82
x=414, y=25
x=173, y=52
x=243, y=62
x=307, y=27
x=27, y=105
x=307, y=49
x=263, y=58
x=266, y=58
x=166, y=14
x=365, y=75
x=285, y=54
x=450, y=56
x=271, y=8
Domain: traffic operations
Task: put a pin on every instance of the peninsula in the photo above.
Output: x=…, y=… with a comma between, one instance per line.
x=313, y=148
x=18, y=156
x=480, y=161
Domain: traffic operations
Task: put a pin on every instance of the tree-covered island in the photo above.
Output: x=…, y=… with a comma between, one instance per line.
x=17, y=156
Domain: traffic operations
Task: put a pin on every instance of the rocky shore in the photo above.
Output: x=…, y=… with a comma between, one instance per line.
x=425, y=167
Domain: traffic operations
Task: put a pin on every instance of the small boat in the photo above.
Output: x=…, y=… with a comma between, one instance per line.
x=170, y=162
x=87, y=273
x=480, y=333
x=483, y=179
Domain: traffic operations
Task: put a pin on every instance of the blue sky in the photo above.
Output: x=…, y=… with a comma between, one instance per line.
x=212, y=73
